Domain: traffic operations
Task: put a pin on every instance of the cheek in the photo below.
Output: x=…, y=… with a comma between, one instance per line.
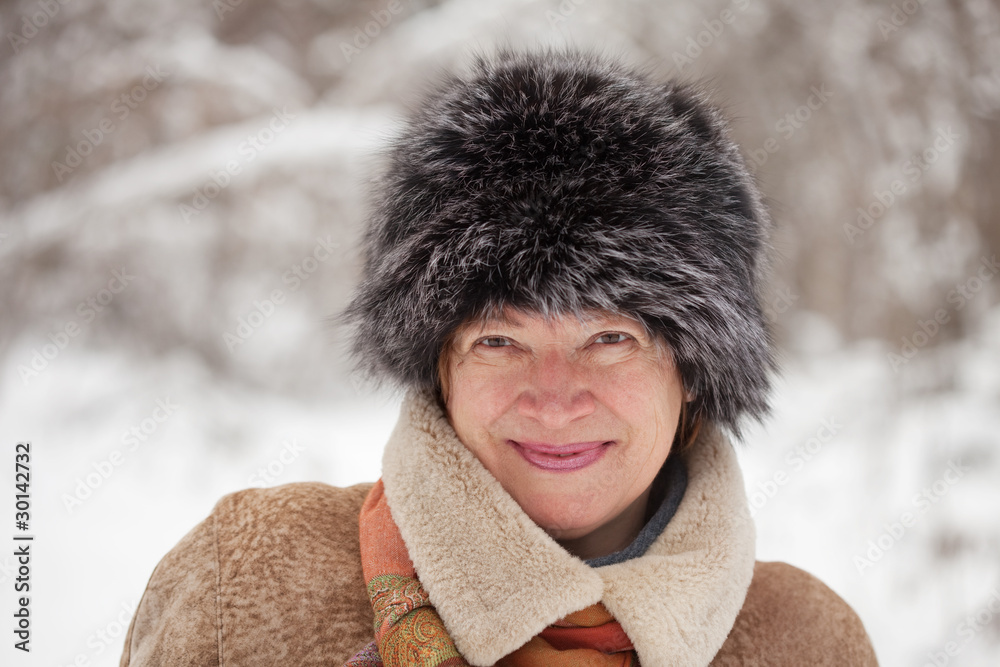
x=476, y=402
x=637, y=395
x=483, y=389
x=648, y=401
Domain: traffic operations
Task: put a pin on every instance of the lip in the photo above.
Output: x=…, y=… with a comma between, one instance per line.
x=561, y=458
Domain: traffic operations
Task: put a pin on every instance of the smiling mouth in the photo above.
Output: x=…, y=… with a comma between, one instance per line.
x=561, y=458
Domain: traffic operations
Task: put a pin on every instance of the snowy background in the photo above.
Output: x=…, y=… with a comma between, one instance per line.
x=174, y=175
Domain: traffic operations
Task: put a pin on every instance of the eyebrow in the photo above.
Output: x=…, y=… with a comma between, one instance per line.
x=600, y=321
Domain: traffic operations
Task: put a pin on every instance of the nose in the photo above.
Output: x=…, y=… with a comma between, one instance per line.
x=555, y=392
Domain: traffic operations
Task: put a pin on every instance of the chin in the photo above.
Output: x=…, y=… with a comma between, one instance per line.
x=566, y=534
x=562, y=523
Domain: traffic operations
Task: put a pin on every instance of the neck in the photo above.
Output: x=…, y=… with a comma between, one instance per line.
x=614, y=535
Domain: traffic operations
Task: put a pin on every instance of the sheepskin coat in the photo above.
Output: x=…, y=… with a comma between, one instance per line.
x=273, y=576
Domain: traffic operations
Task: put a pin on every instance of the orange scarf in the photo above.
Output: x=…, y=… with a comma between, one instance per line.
x=408, y=631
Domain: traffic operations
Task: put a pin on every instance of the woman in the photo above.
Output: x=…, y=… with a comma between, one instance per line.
x=563, y=269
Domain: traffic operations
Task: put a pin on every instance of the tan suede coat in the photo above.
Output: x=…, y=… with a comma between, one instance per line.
x=273, y=576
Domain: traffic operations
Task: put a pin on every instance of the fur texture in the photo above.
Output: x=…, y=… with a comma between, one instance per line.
x=559, y=183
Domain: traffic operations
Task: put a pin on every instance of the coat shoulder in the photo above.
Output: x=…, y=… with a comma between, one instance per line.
x=790, y=618
x=293, y=509
x=273, y=571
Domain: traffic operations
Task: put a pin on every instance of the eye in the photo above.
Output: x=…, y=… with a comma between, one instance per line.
x=494, y=341
x=612, y=338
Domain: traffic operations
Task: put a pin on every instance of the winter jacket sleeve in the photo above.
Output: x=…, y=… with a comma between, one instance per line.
x=272, y=576
x=176, y=622
x=789, y=619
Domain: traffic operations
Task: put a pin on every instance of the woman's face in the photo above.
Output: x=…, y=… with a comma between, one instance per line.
x=573, y=418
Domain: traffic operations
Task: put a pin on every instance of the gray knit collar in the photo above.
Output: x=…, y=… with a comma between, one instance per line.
x=673, y=478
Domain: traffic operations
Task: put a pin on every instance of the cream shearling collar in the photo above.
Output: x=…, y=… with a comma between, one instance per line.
x=497, y=579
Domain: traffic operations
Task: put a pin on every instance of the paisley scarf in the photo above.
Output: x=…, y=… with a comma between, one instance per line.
x=408, y=631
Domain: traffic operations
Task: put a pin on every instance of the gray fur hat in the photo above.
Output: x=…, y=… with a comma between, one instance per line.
x=563, y=182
